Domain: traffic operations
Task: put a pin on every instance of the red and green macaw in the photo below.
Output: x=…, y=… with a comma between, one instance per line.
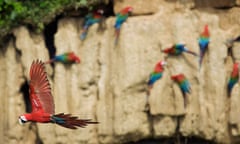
x=43, y=104
x=90, y=19
x=203, y=42
x=178, y=49
x=120, y=19
x=233, y=78
x=66, y=58
x=184, y=85
x=156, y=74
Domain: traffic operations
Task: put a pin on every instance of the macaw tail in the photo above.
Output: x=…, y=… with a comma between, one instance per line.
x=229, y=92
x=49, y=61
x=117, y=33
x=201, y=58
x=71, y=122
x=193, y=53
x=84, y=33
x=229, y=89
x=185, y=101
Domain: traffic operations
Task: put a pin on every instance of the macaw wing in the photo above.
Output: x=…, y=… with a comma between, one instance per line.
x=88, y=16
x=40, y=90
x=185, y=86
x=203, y=44
x=154, y=77
x=120, y=19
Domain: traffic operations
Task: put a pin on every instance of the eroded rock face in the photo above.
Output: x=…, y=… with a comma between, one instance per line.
x=109, y=85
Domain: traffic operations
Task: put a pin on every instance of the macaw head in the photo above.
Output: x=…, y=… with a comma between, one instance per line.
x=127, y=9
x=74, y=57
x=161, y=64
x=100, y=11
x=205, y=32
x=177, y=77
x=22, y=119
x=236, y=66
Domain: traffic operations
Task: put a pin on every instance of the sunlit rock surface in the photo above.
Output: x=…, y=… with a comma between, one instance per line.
x=109, y=85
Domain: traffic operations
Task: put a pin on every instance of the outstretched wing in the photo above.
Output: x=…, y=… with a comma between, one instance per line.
x=40, y=90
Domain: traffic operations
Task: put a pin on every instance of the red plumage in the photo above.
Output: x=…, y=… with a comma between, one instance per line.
x=40, y=90
x=43, y=104
x=126, y=10
x=205, y=32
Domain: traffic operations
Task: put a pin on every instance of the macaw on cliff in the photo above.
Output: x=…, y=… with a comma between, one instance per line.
x=184, y=85
x=178, y=49
x=120, y=19
x=233, y=78
x=42, y=102
x=156, y=74
x=66, y=58
x=90, y=19
x=203, y=42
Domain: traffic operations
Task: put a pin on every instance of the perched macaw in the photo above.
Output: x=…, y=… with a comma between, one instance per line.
x=156, y=74
x=43, y=104
x=90, y=19
x=233, y=79
x=203, y=42
x=120, y=19
x=66, y=58
x=178, y=49
x=184, y=85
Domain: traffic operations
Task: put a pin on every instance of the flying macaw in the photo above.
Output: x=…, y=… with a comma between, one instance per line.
x=66, y=58
x=120, y=19
x=178, y=49
x=184, y=85
x=233, y=79
x=90, y=19
x=156, y=74
x=43, y=104
x=203, y=42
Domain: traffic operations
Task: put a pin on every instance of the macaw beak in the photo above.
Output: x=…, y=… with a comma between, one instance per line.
x=77, y=60
x=22, y=120
x=100, y=11
x=163, y=63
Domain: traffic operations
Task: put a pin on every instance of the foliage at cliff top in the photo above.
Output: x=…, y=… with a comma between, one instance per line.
x=36, y=12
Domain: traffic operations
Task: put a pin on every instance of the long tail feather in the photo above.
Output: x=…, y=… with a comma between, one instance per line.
x=71, y=122
x=84, y=33
x=185, y=100
x=193, y=53
x=117, y=32
x=201, y=59
x=49, y=61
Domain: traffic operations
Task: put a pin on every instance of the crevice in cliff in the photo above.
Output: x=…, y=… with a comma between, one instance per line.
x=108, y=9
x=34, y=127
x=25, y=91
x=49, y=32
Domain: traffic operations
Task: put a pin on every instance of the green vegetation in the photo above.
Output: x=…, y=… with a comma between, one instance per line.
x=35, y=12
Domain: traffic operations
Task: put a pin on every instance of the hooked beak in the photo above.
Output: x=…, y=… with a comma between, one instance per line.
x=100, y=11
x=163, y=63
x=77, y=60
x=22, y=120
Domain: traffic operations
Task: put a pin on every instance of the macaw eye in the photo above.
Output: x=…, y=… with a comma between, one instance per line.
x=22, y=120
